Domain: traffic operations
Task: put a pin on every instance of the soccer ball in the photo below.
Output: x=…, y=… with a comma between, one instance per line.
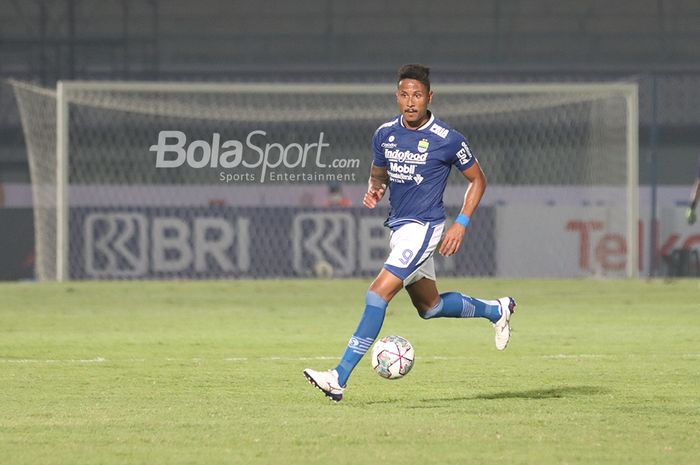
x=323, y=269
x=392, y=357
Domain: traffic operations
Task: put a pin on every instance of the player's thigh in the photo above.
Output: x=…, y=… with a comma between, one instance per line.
x=424, y=294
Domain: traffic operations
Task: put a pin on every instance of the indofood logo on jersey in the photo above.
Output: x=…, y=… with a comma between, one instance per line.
x=405, y=156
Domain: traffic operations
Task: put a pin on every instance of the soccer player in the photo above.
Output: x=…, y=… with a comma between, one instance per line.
x=694, y=196
x=413, y=155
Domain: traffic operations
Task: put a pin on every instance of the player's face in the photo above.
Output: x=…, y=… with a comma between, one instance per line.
x=413, y=98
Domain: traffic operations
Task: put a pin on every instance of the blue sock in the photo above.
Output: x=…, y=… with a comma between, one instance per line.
x=365, y=334
x=456, y=305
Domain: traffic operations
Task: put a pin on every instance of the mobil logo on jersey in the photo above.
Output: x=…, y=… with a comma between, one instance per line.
x=402, y=168
x=402, y=172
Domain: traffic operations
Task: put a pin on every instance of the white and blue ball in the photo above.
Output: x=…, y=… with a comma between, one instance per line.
x=392, y=357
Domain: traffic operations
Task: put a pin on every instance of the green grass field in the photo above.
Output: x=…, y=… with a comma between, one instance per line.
x=597, y=372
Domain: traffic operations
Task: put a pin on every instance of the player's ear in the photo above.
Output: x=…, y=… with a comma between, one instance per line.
x=430, y=97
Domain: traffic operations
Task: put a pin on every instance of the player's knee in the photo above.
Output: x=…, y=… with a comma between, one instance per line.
x=426, y=311
x=423, y=309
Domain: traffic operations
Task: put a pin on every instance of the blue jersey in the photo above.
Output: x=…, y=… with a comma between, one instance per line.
x=418, y=163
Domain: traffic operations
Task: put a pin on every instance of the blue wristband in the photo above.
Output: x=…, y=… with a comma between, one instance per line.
x=462, y=219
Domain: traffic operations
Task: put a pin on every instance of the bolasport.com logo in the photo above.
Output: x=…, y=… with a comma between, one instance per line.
x=255, y=158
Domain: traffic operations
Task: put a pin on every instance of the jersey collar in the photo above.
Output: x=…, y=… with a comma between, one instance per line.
x=425, y=126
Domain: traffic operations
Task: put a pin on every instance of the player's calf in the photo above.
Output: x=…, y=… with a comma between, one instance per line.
x=456, y=305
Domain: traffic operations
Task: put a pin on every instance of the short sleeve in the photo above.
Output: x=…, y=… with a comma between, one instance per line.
x=461, y=153
x=379, y=158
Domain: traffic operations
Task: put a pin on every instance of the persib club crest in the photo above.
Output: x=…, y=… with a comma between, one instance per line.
x=423, y=145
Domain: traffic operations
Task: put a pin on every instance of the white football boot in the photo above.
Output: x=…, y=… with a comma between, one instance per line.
x=326, y=382
x=502, y=326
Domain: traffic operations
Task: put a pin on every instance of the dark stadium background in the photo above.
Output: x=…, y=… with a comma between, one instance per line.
x=653, y=42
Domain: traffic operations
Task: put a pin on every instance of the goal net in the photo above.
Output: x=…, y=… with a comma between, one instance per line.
x=194, y=180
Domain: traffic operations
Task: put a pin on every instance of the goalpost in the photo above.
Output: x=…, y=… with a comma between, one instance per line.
x=562, y=163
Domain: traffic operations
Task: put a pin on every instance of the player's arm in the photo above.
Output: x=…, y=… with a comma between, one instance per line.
x=378, y=179
x=477, y=186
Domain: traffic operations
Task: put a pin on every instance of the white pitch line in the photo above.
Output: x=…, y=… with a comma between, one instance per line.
x=31, y=360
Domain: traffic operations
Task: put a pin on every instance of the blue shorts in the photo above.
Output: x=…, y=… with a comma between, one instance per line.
x=412, y=246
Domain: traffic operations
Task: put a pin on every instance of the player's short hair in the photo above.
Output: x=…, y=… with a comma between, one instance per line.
x=414, y=71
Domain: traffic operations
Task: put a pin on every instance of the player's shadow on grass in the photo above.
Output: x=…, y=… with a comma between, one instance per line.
x=531, y=394
x=551, y=393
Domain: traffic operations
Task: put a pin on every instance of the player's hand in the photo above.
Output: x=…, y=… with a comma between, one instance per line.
x=452, y=240
x=690, y=215
x=373, y=196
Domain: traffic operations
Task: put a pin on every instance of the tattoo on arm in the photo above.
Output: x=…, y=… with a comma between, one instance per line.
x=378, y=177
